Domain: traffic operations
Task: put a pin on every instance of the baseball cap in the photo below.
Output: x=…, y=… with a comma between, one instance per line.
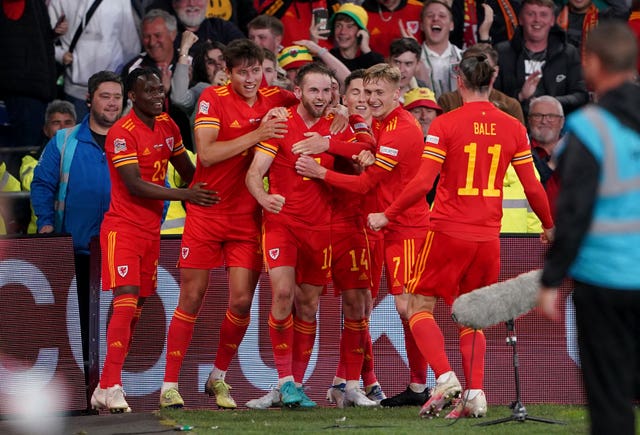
x=294, y=56
x=421, y=97
x=355, y=12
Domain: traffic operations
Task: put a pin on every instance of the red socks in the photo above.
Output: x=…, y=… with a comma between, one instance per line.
x=232, y=332
x=368, y=372
x=178, y=340
x=281, y=334
x=304, y=335
x=134, y=322
x=474, y=378
x=118, y=335
x=425, y=331
x=352, y=347
x=417, y=362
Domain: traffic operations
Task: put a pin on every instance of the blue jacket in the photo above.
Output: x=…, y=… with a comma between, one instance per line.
x=610, y=252
x=88, y=192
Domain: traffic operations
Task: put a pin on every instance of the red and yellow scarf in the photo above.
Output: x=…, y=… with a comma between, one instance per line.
x=590, y=21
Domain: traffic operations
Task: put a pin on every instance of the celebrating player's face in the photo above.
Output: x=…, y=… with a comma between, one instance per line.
x=148, y=95
x=355, y=100
x=245, y=79
x=315, y=93
x=382, y=97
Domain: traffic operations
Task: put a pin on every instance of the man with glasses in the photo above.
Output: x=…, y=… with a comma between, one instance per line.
x=545, y=122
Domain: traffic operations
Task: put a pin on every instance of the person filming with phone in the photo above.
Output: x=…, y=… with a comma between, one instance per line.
x=347, y=29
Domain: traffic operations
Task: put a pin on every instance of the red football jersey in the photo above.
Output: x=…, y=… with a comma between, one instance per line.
x=384, y=28
x=130, y=141
x=399, y=146
x=221, y=108
x=349, y=207
x=307, y=201
x=475, y=144
x=399, y=137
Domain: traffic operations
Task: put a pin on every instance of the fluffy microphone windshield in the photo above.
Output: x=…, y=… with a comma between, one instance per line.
x=498, y=302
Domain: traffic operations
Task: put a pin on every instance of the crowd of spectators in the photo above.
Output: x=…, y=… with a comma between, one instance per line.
x=52, y=47
x=66, y=62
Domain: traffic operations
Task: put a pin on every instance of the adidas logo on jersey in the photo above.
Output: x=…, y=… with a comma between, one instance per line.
x=235, y=124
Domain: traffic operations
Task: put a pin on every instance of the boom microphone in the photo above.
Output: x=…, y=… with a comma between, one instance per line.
x=496, y=303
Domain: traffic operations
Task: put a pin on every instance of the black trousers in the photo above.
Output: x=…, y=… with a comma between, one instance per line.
x=609, y=341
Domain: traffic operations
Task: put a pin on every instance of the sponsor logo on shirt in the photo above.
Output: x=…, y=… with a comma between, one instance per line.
x=433, y=139
x=204, y=107
x=235, y=124
x=560, y=78
x=361, y=126
x=157, y=146
x=169, y=142
x=389, y=151
x=146, y=152
x=185, y=253
x=123, y=270
x=119, y=145
x=274, y=253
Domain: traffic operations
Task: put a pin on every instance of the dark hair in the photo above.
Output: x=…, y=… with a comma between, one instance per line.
x=355, y=74
x=200, y=60
x=313, y=67
x=615, y=45
x=241, y=51
x=268, y=54
x=482, y=48
x=267, y=22
x=140, y=72
x=101, y=77
x=476, y=72
x=402, y=45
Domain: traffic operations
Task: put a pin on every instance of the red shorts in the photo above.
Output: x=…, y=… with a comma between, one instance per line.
x=233, y=241
x=448, y=267
x=399, y=257
x=350, y=259
x=307, y=250
x=129, y=260
x=376, y=253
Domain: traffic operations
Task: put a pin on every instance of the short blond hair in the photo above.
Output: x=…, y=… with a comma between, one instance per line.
x=382, y=71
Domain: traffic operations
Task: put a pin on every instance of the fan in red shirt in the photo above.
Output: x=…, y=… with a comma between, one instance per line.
x=400, y=142
x=138, y=147
x=471, y=148
x=230, y=120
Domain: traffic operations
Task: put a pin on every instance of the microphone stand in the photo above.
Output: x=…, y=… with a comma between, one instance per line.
x=519, y=411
